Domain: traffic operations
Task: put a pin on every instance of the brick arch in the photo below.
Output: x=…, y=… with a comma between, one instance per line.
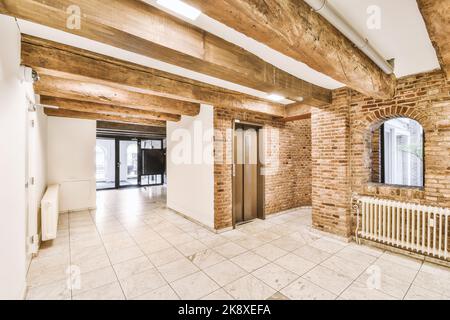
x=363, y=130
x=378, y=117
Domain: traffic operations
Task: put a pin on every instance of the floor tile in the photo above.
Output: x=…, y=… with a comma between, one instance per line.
x=192, y=247
x=163, y=293
x=230, y=250
x=249, y=261
x=312, y=254
x=111, y=291
x=220, y=294
x=357, y=256
x=54, y=291
x=360, y=291
x=165, y=256
x=275, y=276
x=249, y=288
x=177, y=269
x=124, y=254
x=419, y=293
x=225, y=272
x=287, y=243
x=154, y=246
x=270, y=252
x=295, y=264
x=328, y=245
x=206, y=258
x=195, y=286
x=328, y=279
x=141, y=283
x=92, y=280
x=352, y=269
x=90, y=258
x=132, y=267
x=302, y=289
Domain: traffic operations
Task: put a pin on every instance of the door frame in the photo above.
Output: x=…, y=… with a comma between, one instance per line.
x=261, y=213
x=117, y=139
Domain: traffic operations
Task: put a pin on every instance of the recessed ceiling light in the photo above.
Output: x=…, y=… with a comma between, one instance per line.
x=275, y=97
x=181, y=8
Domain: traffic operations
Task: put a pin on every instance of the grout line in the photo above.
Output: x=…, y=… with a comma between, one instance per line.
x=109, y=259
x=412, y=282
x=70, y=253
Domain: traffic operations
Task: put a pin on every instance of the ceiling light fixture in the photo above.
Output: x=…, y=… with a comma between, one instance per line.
x=181, y=8
x=275, y=97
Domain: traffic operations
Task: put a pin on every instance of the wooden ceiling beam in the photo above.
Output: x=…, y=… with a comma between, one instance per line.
x=130, y=128
x=104, y=117
x=54, y=59
x=91, y=107
x=135, y=26
x=437, y=20
x=294, y=29
x=102, y=94
x=297, y=111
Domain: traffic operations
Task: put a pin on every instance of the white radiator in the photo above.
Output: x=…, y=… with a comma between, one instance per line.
x=417, y=228
x=50, y=213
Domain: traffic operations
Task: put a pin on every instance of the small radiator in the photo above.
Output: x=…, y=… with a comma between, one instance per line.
x=50, y=213
x=417, y=228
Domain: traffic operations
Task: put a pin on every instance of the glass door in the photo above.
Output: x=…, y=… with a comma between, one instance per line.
x=128, y=163
x=105, y=158
x=122, y=162
x=153, y=162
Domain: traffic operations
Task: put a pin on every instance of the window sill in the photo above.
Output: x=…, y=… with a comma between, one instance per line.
x=394, y=186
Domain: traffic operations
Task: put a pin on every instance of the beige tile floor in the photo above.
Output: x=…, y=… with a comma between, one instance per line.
x=132, y=247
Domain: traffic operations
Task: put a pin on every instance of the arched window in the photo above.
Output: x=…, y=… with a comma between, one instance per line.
x=398, y=153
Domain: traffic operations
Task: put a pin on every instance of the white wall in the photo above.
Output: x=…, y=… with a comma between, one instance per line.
x=37, y=168
x=71, y=161
x=13, y=109
x=190, y=166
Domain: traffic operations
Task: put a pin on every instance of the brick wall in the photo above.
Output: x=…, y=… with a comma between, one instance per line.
x=330, y=165
x=288, y=155
x=344, y=130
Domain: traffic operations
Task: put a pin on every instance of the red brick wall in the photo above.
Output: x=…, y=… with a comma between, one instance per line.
x=352, y=117
x=288, y=180
x=330, y=165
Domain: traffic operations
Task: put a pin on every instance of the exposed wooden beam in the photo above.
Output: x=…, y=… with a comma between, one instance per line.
x=100, y=93
x=437, y=19
x=292, y=28
x=51, y=58
x=141, y=28
x=297, y=111
x=90, y=107
x=96, y=116
x=130, y=128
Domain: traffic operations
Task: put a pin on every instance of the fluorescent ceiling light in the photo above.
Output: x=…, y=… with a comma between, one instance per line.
x=275, y=97
x=181, y=8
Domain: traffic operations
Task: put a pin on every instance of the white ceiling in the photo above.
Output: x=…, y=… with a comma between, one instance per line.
x=402, y=36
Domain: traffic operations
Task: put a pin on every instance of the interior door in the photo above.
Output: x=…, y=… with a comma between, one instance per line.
x=245, y=174
x=128, y=163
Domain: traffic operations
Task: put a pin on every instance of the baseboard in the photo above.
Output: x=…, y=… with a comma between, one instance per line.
x=78, y=210
x=404, y=252
x=331, y=235
x=192, y=220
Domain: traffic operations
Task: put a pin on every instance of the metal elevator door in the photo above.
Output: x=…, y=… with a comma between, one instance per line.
x=245, y=174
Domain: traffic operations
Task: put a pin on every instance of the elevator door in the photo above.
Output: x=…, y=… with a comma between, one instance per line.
x=245, y=174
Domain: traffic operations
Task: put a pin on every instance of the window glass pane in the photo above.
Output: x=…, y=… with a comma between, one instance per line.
x=403, y=152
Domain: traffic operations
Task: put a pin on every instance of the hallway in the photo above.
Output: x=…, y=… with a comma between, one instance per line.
x=132, y=247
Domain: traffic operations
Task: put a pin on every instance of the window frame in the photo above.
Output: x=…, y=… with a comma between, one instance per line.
x=382, y=158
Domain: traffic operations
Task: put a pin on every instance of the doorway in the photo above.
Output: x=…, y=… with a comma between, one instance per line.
x=247, y=179
x=123, y=162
